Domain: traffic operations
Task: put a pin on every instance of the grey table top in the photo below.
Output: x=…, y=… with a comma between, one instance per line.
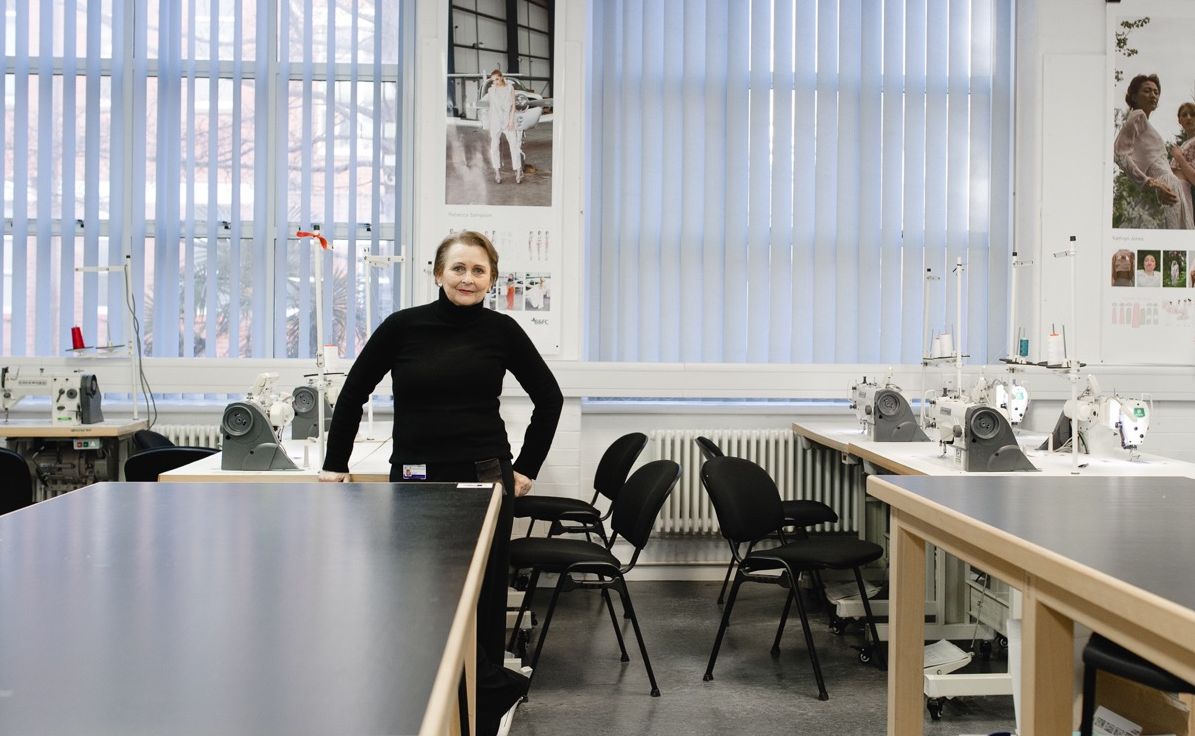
x=1135, y=529
x=138, y=608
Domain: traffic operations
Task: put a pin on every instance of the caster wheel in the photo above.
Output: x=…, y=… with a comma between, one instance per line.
x=985, y=650
x=838, y=626
x=1002, y=642
x=865, y=655
x=521, y=582
x=934, y=705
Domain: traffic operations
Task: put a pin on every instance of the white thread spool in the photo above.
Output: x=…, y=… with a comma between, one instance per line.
x=1055, y=351
x=946, y=345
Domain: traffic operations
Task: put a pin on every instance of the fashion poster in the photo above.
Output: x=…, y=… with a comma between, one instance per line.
x=1148, y=271
x=500, y=110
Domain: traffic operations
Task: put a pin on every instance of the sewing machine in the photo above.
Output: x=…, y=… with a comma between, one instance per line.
x=253, y=429
x=306, y=404
x=885, y=413
x=74, y=395
x=1108, y=423
x=1007, y=396
x=980, y=435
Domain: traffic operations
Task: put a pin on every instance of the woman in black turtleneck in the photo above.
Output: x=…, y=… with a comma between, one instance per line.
x=447, y=360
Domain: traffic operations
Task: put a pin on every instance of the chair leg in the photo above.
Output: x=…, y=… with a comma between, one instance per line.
x=626, y=603
x=543, y=631
x=726, y=581
x=788, y=602
x=523, y=608
x=1087, y=722
x=530, y=525
x=820, y=586
x=871, y=622
x=734, y=591
x=614, y=622
x=817, y=667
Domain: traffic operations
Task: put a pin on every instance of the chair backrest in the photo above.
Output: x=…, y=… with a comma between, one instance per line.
x=148, y=465
x=145, y=439
x=709, y=448
x=616, y=462
x=16, y=488
x=745, y=498
x=641, y=499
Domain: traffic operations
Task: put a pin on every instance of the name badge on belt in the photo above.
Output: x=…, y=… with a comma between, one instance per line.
x=414, y=472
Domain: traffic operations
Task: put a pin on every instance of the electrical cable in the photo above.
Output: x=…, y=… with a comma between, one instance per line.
x=151, y=404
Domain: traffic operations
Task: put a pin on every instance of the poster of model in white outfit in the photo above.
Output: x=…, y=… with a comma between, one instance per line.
x=1148, y=263
x=500, y=163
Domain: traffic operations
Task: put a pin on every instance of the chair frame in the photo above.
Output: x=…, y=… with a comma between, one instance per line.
x=709, y=451
x=585, y=522
x=609, y=577
x=29, y=484
x=157, y=451
x=752, y=567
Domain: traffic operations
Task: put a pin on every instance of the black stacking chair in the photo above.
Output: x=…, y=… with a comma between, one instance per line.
x=747, y=503
x=798, y=513
x=16, y=488
x=574, y=515
x=1103, y=654
x=148, y=465
x=639, y=503
x=146, y=439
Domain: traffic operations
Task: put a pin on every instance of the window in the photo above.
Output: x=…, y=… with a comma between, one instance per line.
x=771, y=179
x=203, y=134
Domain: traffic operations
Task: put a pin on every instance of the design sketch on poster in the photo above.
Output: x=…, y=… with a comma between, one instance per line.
x=527, y=270
x=1149, y=243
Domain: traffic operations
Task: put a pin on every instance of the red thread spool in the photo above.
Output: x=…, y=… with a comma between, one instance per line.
x=77, y=338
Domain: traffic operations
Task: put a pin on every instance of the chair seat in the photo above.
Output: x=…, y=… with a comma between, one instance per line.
x=551, y=508
x=807, y=513
x=1106, y=655
x=834, y=553
x=554, y=554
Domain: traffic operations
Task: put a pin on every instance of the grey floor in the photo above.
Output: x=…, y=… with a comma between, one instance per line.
x=581, y=687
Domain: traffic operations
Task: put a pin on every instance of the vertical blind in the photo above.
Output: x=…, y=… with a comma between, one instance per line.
x=773, y=178
x=198, y=136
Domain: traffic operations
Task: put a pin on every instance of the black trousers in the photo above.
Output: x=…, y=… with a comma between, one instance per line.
x=492, y=679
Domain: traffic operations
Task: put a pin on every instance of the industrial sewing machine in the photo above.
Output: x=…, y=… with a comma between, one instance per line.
x=74, y=395
x=885, y=413
x=1108, y=423
x=253, y=429
x=1006, y=396
x=306, y=404
x=980, y=435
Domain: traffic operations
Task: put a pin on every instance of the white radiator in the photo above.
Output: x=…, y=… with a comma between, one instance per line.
x=815, y=473
x=192, y=435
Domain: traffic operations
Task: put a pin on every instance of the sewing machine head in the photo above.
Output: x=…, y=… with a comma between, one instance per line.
x=980, y=435
x=74, y=395
x=885, y=413
x=1130, y=418
x=1107, y=423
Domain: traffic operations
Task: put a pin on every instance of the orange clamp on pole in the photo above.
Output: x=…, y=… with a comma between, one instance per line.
x=323, y=242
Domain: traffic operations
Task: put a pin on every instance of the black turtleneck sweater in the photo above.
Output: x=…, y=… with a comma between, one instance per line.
x=447, y=364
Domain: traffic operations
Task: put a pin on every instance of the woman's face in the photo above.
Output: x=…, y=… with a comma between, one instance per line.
x=466, y=277
x=498, y=80
x=1186, y=118
x=1150, y=264
x=1147, y=96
